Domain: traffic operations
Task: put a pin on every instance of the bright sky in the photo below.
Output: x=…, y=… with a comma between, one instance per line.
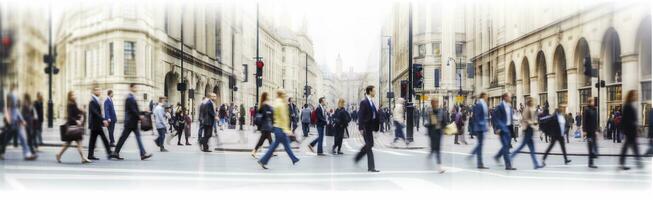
x=351, y=28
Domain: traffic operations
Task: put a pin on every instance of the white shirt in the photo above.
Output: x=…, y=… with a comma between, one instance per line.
x=507, y=109
x=561, y=122
x=485, y=112
x=373, y=106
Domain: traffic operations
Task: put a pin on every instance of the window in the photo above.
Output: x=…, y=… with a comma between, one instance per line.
x=585, y=95
x=130, y=58
x=436, y=48
x=112, y=64
x=459, y=49
x=614, y=93
x=421, y=50
x=562, y=97
x=218, y=39
x=88, y=61
x=646, y=91
x=543, y=99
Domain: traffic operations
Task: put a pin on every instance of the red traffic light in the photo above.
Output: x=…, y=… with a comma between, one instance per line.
x=259, y=64
x=6, y=41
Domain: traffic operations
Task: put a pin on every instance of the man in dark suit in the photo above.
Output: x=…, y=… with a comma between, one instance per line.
x=589, y=121
x=110, y=116
x=478, y=124
x=132, y=117
x=554, y=126
x=321, y=122
x=95, y=123
x=502, y=122
x=208, y=120
x=368, y=122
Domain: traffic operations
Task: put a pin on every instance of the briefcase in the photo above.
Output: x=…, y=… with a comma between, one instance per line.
x=450, y=129
x=146, y=123
x=71, y=132
x=330, y=131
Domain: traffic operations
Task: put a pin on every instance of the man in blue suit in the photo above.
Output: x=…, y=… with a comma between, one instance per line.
x=368, y=122
x=321, y=122
x=95, y=124
x=209, y=117
x=132, y=117
x=502, y=121
x=479, y=127
x=110, y=116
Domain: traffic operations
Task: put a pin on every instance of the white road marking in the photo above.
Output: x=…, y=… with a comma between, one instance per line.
x=14, y=183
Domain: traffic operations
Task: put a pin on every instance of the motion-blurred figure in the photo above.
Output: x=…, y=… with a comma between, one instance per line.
x=629, y=128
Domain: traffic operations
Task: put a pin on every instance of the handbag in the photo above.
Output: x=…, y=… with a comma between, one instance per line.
x=71, y=132
x=146, y=123
x=450, y=129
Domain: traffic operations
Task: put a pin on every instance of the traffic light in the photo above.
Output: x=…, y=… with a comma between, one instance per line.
x=600, y=84
x=418, y=75
x=181, y=86
x=6, y=42
x=259, y=73
x=47, y=58
x=404, y=89
x=232, y=82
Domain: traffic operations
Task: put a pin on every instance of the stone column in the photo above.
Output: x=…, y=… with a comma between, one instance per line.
x=572, y=91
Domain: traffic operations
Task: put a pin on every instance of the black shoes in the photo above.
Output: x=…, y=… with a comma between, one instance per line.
x=116, y=156
x=624, y=168
x=295, y=162
x=567, y=161
x=163, y=150
x=261, y=164
x=592, y=166
x=321, y=154
x=93, y=158
x=511, y=168
x=146, y=156
x=373, y=170
x=482, y=167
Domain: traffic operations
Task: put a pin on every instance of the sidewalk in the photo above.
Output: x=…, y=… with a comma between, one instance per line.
x=244, y=141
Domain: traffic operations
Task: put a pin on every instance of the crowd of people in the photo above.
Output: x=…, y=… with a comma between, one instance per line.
x=277, y=117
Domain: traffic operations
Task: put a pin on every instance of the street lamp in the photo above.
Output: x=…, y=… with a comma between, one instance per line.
x=458, y=72
x=390, y=94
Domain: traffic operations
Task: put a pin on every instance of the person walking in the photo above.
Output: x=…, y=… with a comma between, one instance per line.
x=529, y=121
x=555, y=126
x=209, y=118
x=110, y=116
x=321, y=123
x=460, y=124
x=629, y=123
x=436, y=120
x=579, y=121
x=29, y=116
x=569, y=122
x=342, y=119
x=398, y=119
x=502, y=121
x=241, y=117
x=74, y=117
x=38, y=127
x=96, y=123
x=368, y=122
x=132, y=117
x=160, y=124
x=265, y=126
x=292, y=112
x=650, y=133
x=281, y=130
x=16, y=125
x=590, y=122
x=222, y=113
x=200, y=119
x=188, y=126
x=479, y=125
x=306, y=120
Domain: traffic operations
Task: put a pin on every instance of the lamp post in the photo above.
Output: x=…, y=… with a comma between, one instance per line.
x=409, y=105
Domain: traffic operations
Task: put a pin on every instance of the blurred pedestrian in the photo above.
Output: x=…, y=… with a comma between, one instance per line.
x=281, y=130
x=502, y=121
x=342, y=120
x=209, y=118
x=74, y=117
x=96, y=123
x=398, y=119
x=160, y=124
x=479, y=124
x=569, y=122
x=110, y=116
x=629, y=126
x=529, y=121
x=368, y=122
x=187, y=125
x=590, y=126
x=132, y=118
x=264, y=120
x=321, y=123
x=556, y=128
x=306, y=120
x=15, y=125
x=459, y=119
x=241, y=117
x=30, y=118
x=38, y=127
x=436, y=121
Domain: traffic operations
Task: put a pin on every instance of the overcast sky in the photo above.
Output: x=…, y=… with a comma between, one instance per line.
x=349, y=28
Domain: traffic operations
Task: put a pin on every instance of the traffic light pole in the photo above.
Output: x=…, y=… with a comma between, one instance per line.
x=390, y=73
x=183, y=81
x=51, y=70
x=306, y=80
x=257, y=57
x=409, y=106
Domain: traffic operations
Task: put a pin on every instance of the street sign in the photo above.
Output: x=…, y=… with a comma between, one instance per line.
x=460, y=99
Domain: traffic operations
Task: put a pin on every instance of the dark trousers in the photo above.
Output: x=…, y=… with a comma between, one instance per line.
x=631, y=142
x=592, y=149
x=504, y=152
x=478, y=150
x=111, y=128
x=200, y=130
x=305, y=129
x=161, y=137
x=528, y=141
x=93, y=140
x=337, y=139
x=554, y=139
x=319, y=140
x=435, y=135
x=367, y=149
x=399, y=132
x=180, y=132
x=125, y=135
x=208, y=129
x=265, y=135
